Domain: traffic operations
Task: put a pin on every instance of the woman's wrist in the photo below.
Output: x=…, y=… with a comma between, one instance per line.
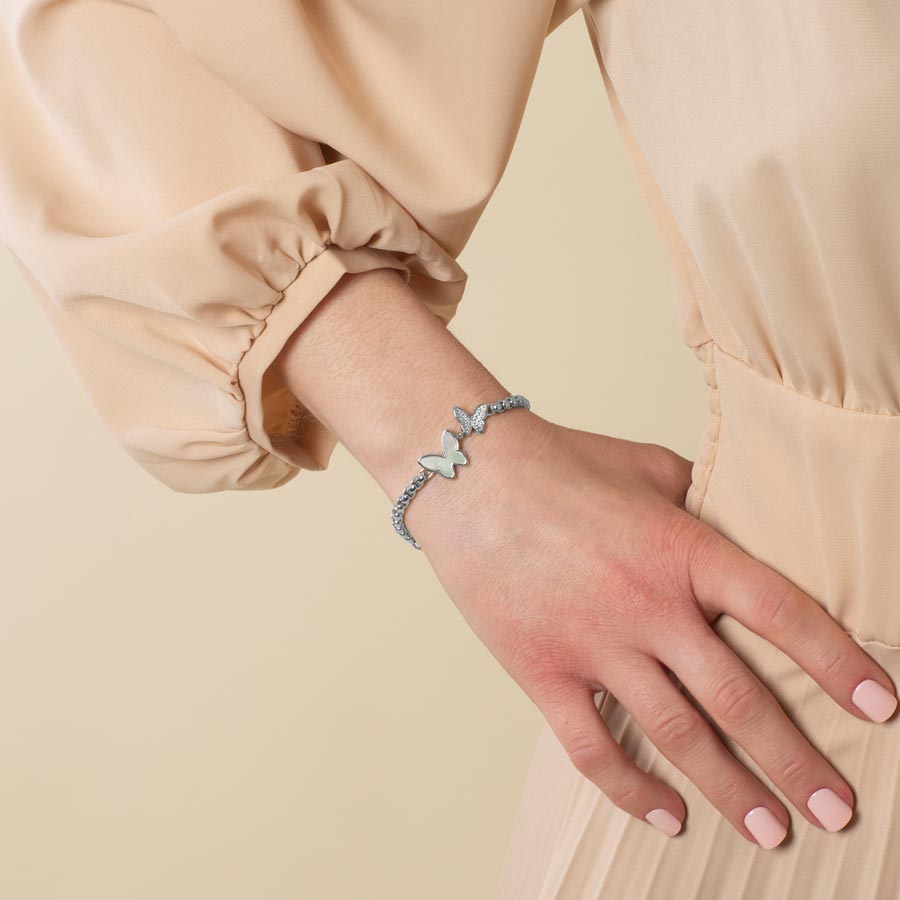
x=488, y=499
x=382, y=372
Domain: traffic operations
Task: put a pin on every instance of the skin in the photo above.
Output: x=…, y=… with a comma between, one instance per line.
x=571, y=556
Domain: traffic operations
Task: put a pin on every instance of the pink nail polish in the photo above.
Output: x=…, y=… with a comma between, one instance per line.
x=664, y=821
x=876, y=702
x=763, y=825
x=829, y=809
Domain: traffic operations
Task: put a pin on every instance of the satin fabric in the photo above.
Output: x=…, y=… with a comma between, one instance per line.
x=765, y=140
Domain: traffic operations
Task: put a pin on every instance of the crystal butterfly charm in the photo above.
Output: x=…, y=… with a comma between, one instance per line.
x=452, y=455
x=475, y=421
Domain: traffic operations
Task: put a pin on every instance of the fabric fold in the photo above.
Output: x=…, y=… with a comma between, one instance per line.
x=188, y=312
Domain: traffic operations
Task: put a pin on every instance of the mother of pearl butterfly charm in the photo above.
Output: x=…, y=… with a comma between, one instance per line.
x=451, y=454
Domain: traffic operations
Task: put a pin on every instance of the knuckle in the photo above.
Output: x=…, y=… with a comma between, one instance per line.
x=834, y=661
x=702, y=542
x=676, y=545
x=794, y=772
x=550, y=693
x=702, y=550
x=591, y=759
x=738, y=699
x=669, y=466
x=541, y=656
x=679, y=535
x=624, y=794
x=678, y=731
x=776, y=608
x=621, y=577
x=729, y=790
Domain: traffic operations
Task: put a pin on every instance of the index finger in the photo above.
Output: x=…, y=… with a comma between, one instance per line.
x=727, y=578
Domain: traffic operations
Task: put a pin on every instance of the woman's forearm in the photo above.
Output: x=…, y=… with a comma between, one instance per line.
x=380, y=370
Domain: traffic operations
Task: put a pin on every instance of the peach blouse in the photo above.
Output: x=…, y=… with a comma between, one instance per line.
x=182, y=182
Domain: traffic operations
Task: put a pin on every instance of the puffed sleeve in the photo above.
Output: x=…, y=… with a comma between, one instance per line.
x=182, y=181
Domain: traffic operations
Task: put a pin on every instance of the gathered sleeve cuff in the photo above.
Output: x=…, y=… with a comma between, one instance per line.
x=173, y=328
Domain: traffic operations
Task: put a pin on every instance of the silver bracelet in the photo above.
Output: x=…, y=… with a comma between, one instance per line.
x=450, y=456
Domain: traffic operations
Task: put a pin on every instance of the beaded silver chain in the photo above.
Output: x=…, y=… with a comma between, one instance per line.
x=449, y=456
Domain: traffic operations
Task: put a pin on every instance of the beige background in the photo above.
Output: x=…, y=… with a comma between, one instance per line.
x=339, y=733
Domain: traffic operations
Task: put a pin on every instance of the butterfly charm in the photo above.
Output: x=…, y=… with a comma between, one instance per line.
x=452, y=455
x=476, y=420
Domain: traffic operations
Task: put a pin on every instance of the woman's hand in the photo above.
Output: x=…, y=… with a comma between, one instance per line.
x=572, y=557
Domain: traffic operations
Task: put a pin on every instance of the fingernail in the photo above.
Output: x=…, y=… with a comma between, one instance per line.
x=829, y=809
x=664, y=821
x=876, y=702
x=763, y=825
